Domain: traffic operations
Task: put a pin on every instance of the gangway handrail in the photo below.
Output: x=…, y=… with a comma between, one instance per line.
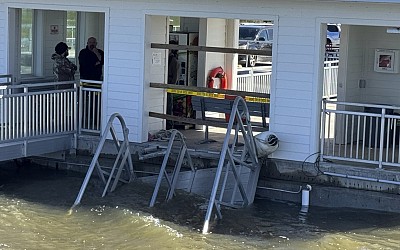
x=228, y=162
x=123, y=149
x=183, y=151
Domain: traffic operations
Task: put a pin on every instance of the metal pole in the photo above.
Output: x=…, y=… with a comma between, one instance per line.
x=381, y=137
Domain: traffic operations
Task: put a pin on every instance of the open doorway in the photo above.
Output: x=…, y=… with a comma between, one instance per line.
x=208, y=55
x=35, y=32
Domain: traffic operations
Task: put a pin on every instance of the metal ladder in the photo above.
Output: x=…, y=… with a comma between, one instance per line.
x=123, y=157
x=175, y=137
x=235, y=161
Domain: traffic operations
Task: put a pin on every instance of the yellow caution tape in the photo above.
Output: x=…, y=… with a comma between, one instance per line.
x=257, y=99
x=196, y=93
x=215, y=95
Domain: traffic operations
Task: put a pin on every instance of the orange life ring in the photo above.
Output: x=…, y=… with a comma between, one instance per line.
x=217, y=73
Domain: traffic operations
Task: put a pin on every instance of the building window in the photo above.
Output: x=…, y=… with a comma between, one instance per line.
x=71, y=34
x=26, y=42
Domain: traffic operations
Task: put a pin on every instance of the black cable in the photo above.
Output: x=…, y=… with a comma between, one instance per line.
x=315, y=164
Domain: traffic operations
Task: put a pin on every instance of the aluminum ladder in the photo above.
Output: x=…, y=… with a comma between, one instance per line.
x=123, y=160
x=175, y=137
x=232, y=163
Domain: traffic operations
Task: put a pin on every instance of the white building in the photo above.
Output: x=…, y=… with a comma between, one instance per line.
x=126, y=29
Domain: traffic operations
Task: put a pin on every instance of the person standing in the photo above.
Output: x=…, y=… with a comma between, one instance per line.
x=173, y=71
x=91, y=61
x=63, y=69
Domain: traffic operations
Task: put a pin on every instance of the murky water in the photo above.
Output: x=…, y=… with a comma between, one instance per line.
x=34, y=204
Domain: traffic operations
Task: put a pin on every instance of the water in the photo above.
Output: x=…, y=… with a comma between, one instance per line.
x=34, y=204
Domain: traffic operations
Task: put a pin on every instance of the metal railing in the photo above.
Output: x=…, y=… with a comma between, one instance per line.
x=358, y=132
x=90, y=102
x=255, y=79
x=122, y=162
x=5, y=81
x=32, y=110
x=234, y=162
x=258, y=79
x=331, y=69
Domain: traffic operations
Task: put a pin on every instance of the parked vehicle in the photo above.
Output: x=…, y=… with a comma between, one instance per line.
x=255, y=36
x=333, y=34
x=260, y=36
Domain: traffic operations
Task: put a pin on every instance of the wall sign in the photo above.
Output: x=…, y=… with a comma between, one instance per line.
x=386, y=61
x=53, y=29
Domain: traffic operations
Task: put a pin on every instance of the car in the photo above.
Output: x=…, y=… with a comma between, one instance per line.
x=257, y=37
x=333, y=34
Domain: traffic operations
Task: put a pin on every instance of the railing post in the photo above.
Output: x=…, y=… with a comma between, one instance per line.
x=252, y=79
x=79, y=114
x=381, y=132
x=25, y=112
x=323, y=129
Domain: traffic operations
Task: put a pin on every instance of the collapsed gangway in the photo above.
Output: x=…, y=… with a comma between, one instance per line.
x=234, y=181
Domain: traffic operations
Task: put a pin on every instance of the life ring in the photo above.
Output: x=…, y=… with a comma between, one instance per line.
x=217, y=73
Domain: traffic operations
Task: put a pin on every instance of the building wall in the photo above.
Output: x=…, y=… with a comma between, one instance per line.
x=155, y=99
x=3, y=39
x=296, y=86
x=381, y=88
x=50, y=40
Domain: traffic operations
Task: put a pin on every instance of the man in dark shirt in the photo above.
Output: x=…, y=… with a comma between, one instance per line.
x=173, y=71
x=91, y=61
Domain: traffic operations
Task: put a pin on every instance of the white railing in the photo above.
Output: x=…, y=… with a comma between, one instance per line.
x=331, y=69
x=359, y=132
x=258, y=79
x=5, y=81
x=254, y=79
x=90, y=106
x=38, y=109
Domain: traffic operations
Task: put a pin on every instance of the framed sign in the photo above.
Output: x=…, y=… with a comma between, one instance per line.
x=386, y=61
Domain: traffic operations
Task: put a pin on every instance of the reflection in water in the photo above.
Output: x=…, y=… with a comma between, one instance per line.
x=33, y=214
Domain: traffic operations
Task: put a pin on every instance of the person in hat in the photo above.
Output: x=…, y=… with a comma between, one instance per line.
x=63, y=68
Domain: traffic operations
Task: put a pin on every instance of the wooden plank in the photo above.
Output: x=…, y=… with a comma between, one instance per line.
x=212, y=122
x=208, y=90
x=210, y=49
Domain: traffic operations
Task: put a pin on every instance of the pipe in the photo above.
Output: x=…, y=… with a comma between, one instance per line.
x=362, y=178
x=281, y=190
x=305, y=196
x=305, y=193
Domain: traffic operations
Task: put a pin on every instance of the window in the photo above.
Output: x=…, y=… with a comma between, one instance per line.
x=26, y=42
x=71, y=34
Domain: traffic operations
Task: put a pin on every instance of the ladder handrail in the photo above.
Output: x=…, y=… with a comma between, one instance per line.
x=94, y=162
x=172, y=182
x=230, y=163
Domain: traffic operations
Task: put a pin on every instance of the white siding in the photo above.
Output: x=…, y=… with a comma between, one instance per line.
x=3, y=40
x=155, y=99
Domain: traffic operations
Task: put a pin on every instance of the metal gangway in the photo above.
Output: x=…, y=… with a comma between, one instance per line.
x=175, y=137
x=235, y=162
x=123, y=160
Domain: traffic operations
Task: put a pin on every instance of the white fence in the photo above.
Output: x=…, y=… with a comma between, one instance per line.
x=90, y=106
x=331, y=69
x=359, y=132
x=258, y=79
x=254, y=79
x=38, y=109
